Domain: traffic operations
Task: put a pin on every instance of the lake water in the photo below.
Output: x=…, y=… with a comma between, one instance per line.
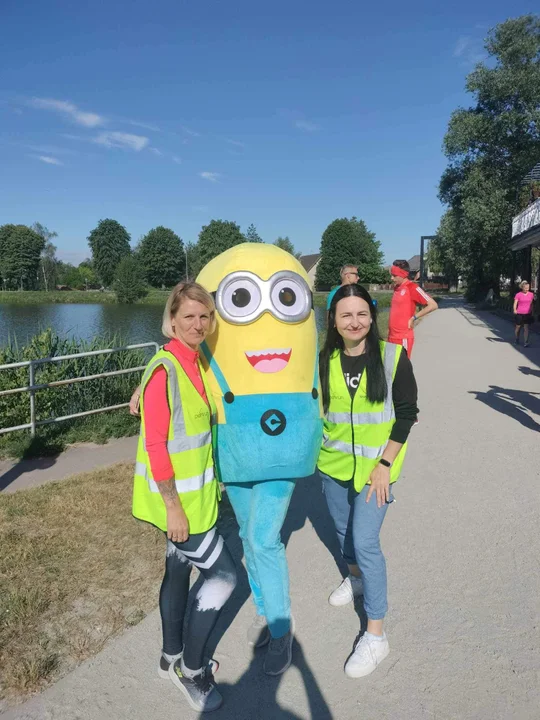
x=134, y=323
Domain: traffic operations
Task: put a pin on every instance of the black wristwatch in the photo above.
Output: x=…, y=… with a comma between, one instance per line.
x=384, y=462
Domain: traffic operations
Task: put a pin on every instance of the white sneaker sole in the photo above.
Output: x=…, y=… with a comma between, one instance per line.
x=355, y=673
x=192, y=704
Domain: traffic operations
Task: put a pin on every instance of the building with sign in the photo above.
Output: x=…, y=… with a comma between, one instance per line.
x=526, y=225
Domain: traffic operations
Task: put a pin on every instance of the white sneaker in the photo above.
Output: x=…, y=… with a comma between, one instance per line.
x=368, y=654
x=350, y=588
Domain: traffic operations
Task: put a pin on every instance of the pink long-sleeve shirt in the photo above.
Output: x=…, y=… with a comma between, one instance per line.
x=156, y=408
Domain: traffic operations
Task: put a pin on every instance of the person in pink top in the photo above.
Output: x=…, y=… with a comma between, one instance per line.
x=523, y=311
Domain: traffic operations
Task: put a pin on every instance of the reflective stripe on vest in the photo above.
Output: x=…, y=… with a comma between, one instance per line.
x=357, y=431
x=189, y=446
x=186, y=485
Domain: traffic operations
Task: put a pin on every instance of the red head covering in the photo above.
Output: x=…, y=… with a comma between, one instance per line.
x=398, y=272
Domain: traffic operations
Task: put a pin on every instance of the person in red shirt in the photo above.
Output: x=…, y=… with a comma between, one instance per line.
x=407, y=296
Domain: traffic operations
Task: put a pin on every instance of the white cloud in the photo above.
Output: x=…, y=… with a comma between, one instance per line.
x=156, y=151
x=306, y=125
x=210, y=176
x=177, y=160
x=86, y=119
x=125, y=141
x=49, y=159
x=190, y=132
x=469, y=50
x=146, y=126
x=236, y=143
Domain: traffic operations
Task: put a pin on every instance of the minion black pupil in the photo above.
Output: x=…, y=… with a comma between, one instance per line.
x=287, y=297
x=241, y=298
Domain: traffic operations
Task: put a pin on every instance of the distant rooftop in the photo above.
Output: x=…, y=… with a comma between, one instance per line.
x=308, y=262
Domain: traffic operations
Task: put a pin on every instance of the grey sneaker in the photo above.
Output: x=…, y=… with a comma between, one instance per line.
x=200, y=691
x=279, y=655
x=258, y=634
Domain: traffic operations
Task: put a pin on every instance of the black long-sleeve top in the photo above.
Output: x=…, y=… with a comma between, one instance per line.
x=404, y=391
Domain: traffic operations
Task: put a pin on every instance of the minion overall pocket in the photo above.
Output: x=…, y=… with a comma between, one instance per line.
x=268, y=437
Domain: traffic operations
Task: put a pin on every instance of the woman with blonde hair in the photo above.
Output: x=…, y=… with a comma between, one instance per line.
x=175, y=489
x=523, y=303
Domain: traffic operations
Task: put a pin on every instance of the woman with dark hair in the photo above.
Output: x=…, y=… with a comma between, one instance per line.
x=369, y=397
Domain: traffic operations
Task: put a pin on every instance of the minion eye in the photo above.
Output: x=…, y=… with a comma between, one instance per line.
x=240, y=298
x=290, y=298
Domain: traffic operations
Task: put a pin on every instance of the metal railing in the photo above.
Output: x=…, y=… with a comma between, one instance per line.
x=32, y=388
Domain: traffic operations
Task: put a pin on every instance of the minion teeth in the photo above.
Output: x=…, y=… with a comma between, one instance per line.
x=269, y=361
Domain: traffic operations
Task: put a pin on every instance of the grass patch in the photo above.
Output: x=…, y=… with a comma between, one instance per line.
x=40, y=297
x=75, y=570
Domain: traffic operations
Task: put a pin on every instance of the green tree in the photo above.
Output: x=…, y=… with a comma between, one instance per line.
x=348, y=241
x=129, y=284
x=252, y=235
x=109, y=242
x=48, y=262
x=161, y=253
x=285, y=244
x=215, y=238
x=446, y=251
x=193, y=265
x=490, y=147
x=87, y=274
x=20, y=252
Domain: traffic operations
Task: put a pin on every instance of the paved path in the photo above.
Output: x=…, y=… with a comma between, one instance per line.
x=21, y=474
x=463, y=549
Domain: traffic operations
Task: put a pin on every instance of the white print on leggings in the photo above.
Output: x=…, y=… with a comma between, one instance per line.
x=215, y=592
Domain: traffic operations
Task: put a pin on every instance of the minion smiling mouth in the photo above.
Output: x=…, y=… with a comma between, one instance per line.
x=269, y=361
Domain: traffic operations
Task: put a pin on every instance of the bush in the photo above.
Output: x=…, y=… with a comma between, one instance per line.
x=129, y=284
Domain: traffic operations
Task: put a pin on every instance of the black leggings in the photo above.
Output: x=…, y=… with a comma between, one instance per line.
x=208, y=553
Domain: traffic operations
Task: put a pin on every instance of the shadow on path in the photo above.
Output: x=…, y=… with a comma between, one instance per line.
x=25, y=466
x=254, y=696
x=513, y=403
x=502, y=327
x=529, y=371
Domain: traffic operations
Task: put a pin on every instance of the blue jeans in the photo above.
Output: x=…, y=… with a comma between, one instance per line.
x=260, y=509
x=358, y=525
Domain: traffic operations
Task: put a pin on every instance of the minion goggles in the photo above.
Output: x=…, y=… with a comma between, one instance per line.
x=242, y=297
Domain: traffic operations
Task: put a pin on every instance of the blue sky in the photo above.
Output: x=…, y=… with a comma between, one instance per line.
x=284, y=114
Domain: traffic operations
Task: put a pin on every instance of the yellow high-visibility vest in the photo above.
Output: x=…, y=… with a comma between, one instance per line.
x=357, y=431
x=189, y=444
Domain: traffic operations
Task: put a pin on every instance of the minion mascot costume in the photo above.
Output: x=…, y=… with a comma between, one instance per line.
x=262, y=368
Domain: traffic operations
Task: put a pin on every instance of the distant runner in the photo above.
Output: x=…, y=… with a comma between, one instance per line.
x=523, y=303
x=407, y=296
